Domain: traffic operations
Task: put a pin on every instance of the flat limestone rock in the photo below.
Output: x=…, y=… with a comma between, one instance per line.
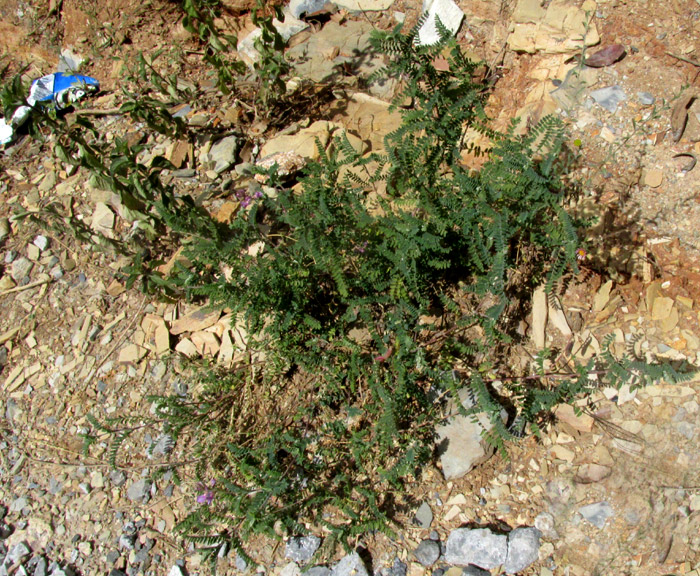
x=370, y=118
x=559, y=29
x=303, y=143
x=199, y=319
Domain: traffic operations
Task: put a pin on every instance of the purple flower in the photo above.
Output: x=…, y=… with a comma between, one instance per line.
x=360, y=248
x=207, y=495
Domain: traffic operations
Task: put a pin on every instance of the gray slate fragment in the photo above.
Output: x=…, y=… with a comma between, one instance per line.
x=645, y=98
x=350, y=565
x=117, y=478
x=301, y=548
x=223, y=153
x=139, y=491
x=597, y=514
x=424, y=516
x=40, y=566
x=398, y=568
x=609, y=97
x=20, y=269
x=479, y=546
x=318, y=571
x=18, y=504
x=127, y=541
x=460, y=441
x=523, y=549
x=17, y=553
x=427, y=553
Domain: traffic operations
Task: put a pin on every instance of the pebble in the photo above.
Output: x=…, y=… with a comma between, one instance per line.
x=609, y=97
x=139, y=491
x=18, y=504
x=127, y=541
x=645, y=98
x=41, y=242
x=240, y=563
x=597, y=514
x=424, y=516
x=17, y=553
x=21, y=268
x=117, y=478
x=479, y=546
x=301, y=548
x=350, y=565
x=39, y=565
x=398, y=568
x=427, y=553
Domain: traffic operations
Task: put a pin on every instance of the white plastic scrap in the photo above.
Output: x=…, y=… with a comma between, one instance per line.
x=450, y=15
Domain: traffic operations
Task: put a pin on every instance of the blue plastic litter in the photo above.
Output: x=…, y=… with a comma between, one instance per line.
x=62, y=89
x=58, y=89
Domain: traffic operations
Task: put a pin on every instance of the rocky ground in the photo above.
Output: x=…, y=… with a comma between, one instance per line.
x=615, y=489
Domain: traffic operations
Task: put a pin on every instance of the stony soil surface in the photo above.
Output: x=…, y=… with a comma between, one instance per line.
x=614, y=490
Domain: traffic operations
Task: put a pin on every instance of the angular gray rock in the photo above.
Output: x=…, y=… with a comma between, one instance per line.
x=646, y=98
x=318, y=571
x=424, y=516
x=17, y=553
x=223, y=153
x=20, y=269
x=427, y=553
x=398, y=568
x=479, y=546
x=523, y=549
x=301, y=548
x=350, y=565
x=609, y=97
x=597, y=514
x=460, y=441
x=139, y=490
x=117, y=478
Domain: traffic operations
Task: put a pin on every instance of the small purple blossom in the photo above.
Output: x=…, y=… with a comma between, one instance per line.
x=207, y=494
x=245, y=198
x=360, y=248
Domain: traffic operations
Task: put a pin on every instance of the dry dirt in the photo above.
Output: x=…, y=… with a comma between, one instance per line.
x=83, y=343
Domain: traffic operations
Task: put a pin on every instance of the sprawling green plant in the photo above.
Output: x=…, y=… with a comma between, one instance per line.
x=360, y=295
x=379, y=287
